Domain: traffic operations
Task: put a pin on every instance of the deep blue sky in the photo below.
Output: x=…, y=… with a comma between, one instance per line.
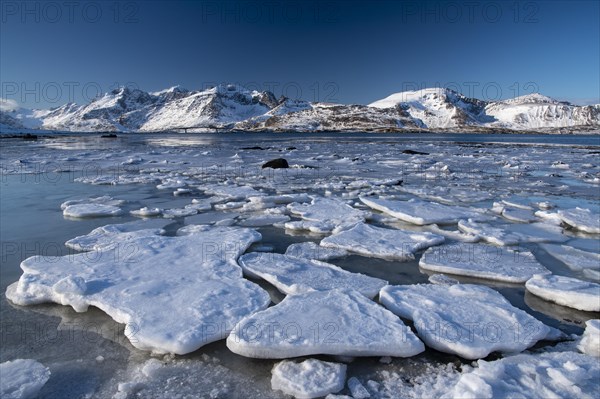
x=342, y=51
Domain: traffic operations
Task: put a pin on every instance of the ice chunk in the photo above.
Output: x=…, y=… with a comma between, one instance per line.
x=581, y=219
x=91, y=210
x=104, y=200
x=482, y=261
x=146, y=212
x=382, y=243
x=357, y=389
x=310, y=250
x=453, y=234
x=175, y=294
x=512, y=234
x=575, y=259
x=422, y=212
x=179, y=212
x=329, y=213
x=311, y=378
x=271, y=201
x=518, y=215
x=103, y=237
x=263, y=220
x=442, y=279
x=293, y=276
x=566, y=291
x=469, y=320
x=22, y=378
x=590, y=341
x=231, y=192
x=324, y=322
x=537, y=232
x=539, y=376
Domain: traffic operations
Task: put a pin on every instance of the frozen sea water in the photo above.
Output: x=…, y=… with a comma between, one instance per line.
x=88, y=353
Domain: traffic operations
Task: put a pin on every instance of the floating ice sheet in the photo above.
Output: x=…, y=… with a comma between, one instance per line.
x=22, y=378
x=581, y=219
x=422, y=212
x=575, y=259
x=91, y=211
x=513, y=234
x=468, y=320
x=323, y=322
x=293, y=276
x=174, y=294
x=112, y=234
x=482, y=261
x=566, y=291
x=328, y=214
x=311, y=378
x=380, y=242
x=310, y=250
x=536, y=376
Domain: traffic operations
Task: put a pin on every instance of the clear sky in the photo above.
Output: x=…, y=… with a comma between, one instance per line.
x=340, y=51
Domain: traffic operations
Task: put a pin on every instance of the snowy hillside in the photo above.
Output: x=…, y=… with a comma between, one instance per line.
x=233, y=107
x=436, y=107
x=537, y=111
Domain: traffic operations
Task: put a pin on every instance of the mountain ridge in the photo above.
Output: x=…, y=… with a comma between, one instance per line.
x=233, y=107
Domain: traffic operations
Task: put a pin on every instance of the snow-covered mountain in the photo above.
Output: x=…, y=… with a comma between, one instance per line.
x=535, y=111
x=235, y=108
x=437, y=107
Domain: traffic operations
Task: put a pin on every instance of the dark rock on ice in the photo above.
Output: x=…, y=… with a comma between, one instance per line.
x=278, y=163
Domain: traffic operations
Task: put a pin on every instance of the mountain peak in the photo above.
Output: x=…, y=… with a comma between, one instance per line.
x=430, y=93
x=533, y=98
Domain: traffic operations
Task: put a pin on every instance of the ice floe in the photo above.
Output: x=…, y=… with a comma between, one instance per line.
x=175, y=294
x=146, y=212
x=91, y=210
x=263, y=220
x=112, y=234
x=311, y=378
x=380, y=242
x=324, y=322
x=513, y=234
x=590, y=341
x=103, y=200
x=421, y=212
x=566, y=291
x=536, y=376
x=292, y=275
x=22, y=378
x=581, y=219
x=357, y=389
x=326, y=215
x=311, y=250
x=575, y=259
x=231, y=192
x=482, y=261
x=468, y=320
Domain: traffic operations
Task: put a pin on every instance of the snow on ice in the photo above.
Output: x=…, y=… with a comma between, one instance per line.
x=566, y=291
x=293, y=276
x=380, y=242
x=22, y=378
x=310, y=378
x=482, y=261
x=175, y=294
x=468, y=320
x=324, y=322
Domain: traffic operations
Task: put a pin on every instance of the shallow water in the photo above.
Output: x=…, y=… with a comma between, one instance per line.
x=38, y=176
